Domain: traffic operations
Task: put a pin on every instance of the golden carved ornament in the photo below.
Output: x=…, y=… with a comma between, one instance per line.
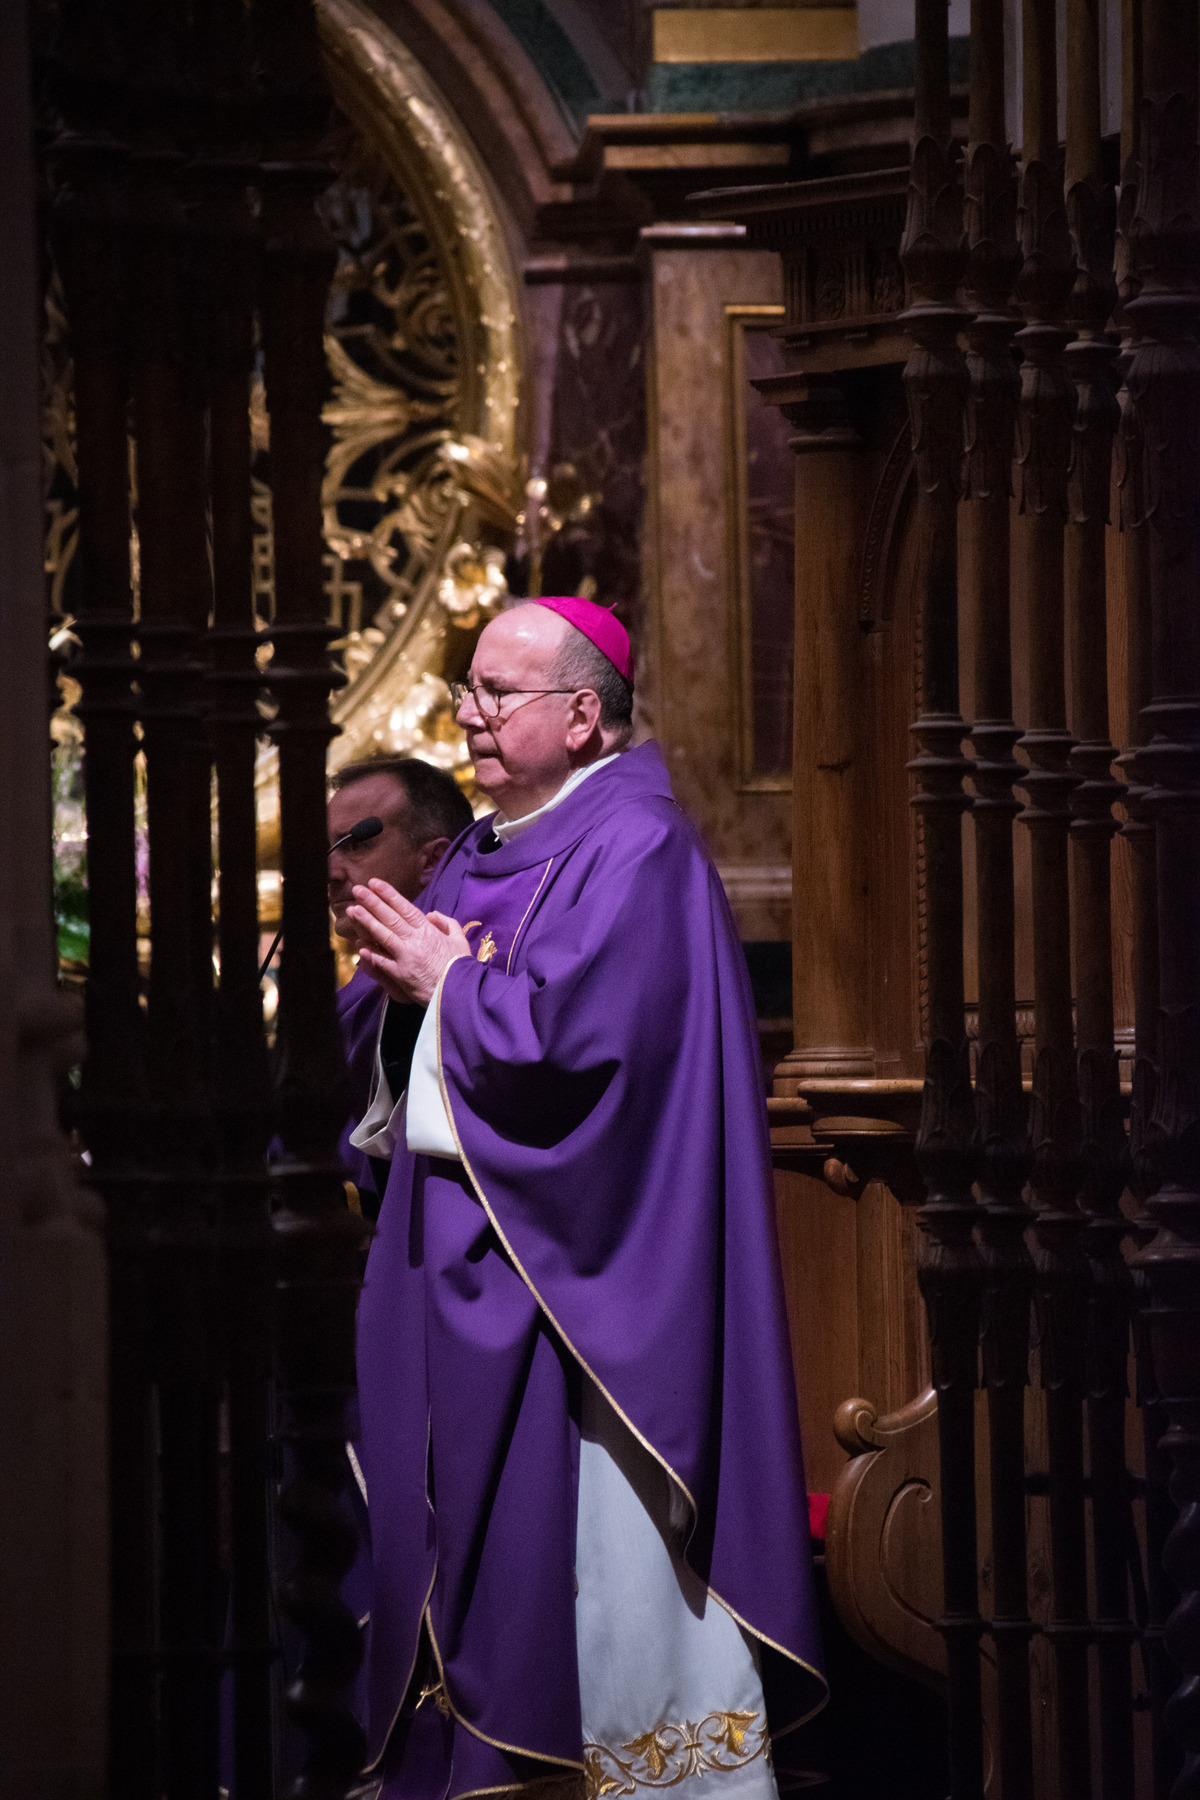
x=440, y=439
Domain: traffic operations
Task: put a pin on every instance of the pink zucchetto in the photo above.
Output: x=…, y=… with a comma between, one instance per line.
x=596, y=623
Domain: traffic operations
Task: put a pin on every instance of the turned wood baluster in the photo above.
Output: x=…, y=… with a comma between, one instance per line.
x=228, y=236
x=1044, y=439
x=1138, y=831
x=1091, y=213
x=935, y=378
x=169, y=431
x=317, y=1237
x=1002, y=1129
x=89, y=249
x=1164, y=394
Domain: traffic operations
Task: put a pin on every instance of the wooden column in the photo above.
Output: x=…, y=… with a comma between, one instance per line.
x=1138, y=829
x=317, y=1236
x=1043, y=459
x=89, y=247
x=1091, y=213
x=53, y=1325
x=991, y=194
x=1164, y=391
x=168, y=424
x=228, y=239
x=1138, y=832
x=935, y=379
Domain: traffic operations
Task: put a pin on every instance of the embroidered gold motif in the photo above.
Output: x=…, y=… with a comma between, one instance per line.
x=487, y=948
x=435, y=1691
x=668, y=1754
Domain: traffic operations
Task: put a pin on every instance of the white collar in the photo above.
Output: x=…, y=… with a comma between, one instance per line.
x=507, y=829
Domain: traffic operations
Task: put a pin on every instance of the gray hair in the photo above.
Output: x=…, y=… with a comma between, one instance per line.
x=581, y=664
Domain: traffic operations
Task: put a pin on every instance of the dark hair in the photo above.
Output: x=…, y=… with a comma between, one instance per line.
x=581, y=664
x=437, y=805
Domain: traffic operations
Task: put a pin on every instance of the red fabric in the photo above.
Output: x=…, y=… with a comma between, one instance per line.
x=598, y=624
x=818, y=1512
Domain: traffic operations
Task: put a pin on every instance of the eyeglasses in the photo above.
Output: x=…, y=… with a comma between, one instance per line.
x=488, y=700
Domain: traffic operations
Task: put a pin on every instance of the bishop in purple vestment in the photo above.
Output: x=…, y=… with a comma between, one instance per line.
x=579, y=1428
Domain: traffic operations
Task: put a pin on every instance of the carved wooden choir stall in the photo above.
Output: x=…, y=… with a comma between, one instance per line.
x=1047, y=352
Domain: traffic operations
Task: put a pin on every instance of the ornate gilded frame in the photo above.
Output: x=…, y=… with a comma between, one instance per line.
x=388, y=97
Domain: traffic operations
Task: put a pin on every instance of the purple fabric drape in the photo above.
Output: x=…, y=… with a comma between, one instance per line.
x=613, y=1212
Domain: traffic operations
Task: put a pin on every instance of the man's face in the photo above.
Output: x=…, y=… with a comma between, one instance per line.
x=392, y=856
x=522, y=758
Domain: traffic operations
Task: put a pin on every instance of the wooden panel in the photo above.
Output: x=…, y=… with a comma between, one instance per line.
x=818, y=1247
x=856, y=1318
x=893, y=1353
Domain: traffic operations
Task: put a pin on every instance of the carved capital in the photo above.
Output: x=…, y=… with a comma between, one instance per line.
x=990, y=211
x=1094, y=422
x=944, y=1139
x=933, y=254
x=1164, y=233
x=1047, y=272
x=935, y=382
x=1047, y=396
x=1102, y=1130
x=1092, y=221
x=1127, y=452
x=1045, y=439
x=1055, y=1128
x=933, y=249
x=1163, y=377
x=993, y=388
x=816, y=405
x=1164, y=393
x=1126, y=281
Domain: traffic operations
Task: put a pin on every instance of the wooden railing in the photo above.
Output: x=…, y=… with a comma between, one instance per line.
x=183, y=170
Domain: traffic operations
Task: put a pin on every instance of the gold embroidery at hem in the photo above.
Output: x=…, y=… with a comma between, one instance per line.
x=667, y=1755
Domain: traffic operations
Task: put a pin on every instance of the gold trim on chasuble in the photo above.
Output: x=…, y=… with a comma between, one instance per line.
x=670, y=1753
x=512, y=951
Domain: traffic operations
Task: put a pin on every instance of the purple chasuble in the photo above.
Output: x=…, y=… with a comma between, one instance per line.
x=613, y=1212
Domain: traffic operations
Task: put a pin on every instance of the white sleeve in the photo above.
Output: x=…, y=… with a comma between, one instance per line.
x=377, y=1131
x=427, y=1129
